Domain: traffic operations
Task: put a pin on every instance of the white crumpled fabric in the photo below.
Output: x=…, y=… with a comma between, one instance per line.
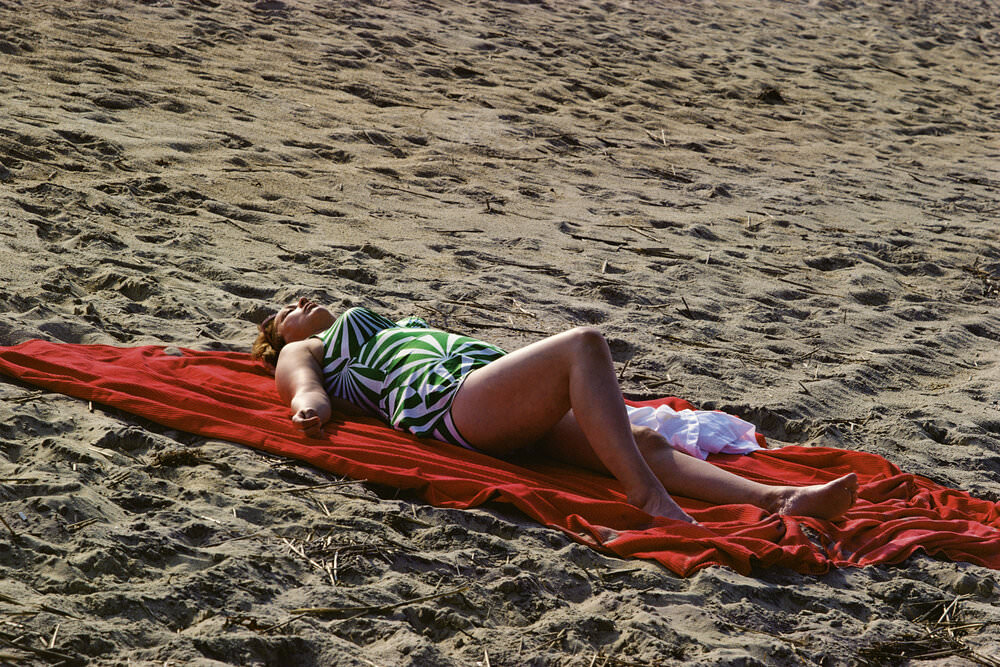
x=697, y=432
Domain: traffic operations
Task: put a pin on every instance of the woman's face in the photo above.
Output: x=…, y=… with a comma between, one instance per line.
x=304, y=318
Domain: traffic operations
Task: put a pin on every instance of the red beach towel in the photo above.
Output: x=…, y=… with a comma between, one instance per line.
x=228, y=396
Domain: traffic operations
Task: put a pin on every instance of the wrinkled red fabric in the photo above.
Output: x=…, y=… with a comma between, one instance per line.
x=228, y=396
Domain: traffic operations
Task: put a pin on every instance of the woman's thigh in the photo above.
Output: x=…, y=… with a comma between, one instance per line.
x=517, y=399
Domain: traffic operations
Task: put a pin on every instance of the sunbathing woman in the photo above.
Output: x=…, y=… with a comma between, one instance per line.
x=560, y=394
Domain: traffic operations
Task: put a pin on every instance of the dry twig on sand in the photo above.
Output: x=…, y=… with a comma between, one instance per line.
x=361, y=610
x=939, y=640
x=51, y=656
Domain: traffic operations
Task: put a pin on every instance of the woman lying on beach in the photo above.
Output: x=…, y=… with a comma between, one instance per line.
x=560, y=395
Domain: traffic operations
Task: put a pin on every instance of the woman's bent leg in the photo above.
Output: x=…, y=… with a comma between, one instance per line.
x=516, y=400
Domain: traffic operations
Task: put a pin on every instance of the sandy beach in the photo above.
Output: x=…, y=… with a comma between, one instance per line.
x=789, y=211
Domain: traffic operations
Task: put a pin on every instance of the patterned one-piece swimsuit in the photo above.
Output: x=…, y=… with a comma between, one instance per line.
x=405, y=373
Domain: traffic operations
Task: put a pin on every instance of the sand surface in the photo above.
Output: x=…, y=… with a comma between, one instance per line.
x=788, y=210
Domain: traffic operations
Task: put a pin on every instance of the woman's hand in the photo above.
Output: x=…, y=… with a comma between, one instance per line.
x=308, y=421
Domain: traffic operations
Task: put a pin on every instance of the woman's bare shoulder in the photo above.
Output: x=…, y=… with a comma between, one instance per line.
x=300, y=350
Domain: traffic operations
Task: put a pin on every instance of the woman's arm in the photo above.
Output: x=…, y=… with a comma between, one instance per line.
x=299, y=380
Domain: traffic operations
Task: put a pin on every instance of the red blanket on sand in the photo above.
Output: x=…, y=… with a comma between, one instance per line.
x=228, y=396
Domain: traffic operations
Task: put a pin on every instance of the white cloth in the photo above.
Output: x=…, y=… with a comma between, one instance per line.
x=698, y=432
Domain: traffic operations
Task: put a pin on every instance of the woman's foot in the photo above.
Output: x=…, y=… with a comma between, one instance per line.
x=662, y=505
x=822, y=501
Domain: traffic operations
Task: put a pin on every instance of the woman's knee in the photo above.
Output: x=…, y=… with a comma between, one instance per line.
x=589, y=340
x=648, y=440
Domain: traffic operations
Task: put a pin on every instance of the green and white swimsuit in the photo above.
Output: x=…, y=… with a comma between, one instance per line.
x=405, y=373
